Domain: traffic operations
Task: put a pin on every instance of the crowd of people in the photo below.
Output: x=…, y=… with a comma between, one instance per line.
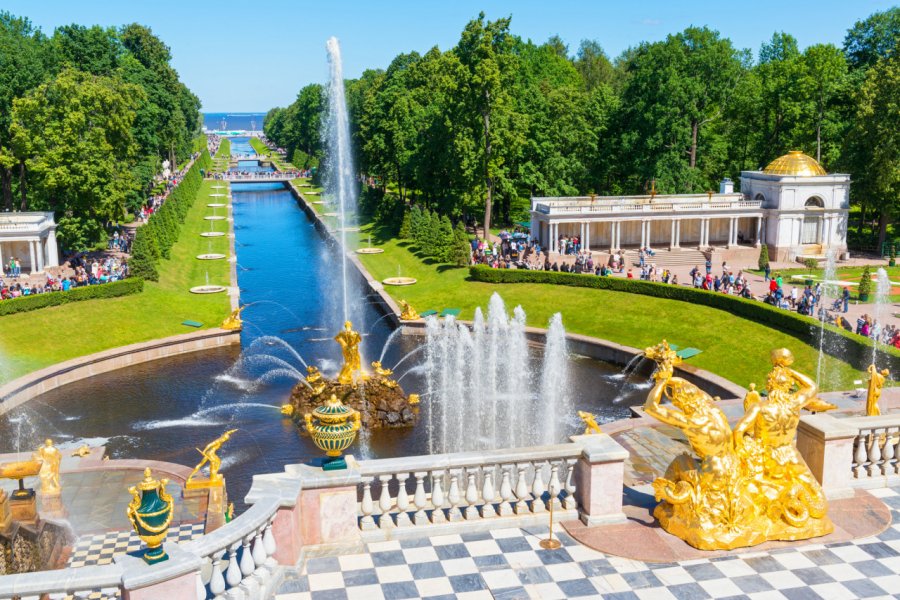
x=213, y=142
x=94, y=271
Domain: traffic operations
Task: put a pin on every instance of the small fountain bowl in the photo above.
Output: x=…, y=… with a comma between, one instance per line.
x=370, y=250
x=215, y=218
x=399, y=281
x=213, y=233
x=217, y=195
x=208, y=289
x=211, y=256
x=329, y=214
x=216, y=205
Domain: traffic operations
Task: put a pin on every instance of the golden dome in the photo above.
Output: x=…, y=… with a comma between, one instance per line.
x=795, y=163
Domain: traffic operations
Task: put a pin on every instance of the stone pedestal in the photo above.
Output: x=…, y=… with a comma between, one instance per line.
x=599, y=477
x=216, y=504
x=826, y=444
x=24, y=508
x=52, y=506
x=5, y=514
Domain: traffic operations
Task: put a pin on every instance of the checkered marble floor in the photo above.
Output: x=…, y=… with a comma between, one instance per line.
x=509, y=564
x=99, y=549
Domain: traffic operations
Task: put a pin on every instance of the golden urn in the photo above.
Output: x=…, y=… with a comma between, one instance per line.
x=334, y=431
x=150, y=512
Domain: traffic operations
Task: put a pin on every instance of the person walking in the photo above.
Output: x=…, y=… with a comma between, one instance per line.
x=846, y=297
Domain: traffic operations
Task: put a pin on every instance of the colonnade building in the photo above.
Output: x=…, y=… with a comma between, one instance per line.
x=29, y=237
x=792, y=205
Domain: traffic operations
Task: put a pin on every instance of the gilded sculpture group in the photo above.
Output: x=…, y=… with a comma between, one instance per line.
x=748, y=484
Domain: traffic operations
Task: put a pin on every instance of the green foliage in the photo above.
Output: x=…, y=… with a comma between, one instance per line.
x=763, y=261
x=810, y=263
x=865, y=283
x=133, y=285
x=856, y=349
x=405, y=232
x=461, y=248
x=445, y=240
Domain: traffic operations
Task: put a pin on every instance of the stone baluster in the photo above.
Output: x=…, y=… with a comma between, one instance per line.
x=200, y=588
x=233, y=573
x=403, y=501
x=896, y=442
x=859, y=457
x=874, y=445
x=887, y=453
x=437, y=497
x=270, y=545
x=471, y=512
x=538, y=489
x=554, y=485
x=453, y=513
x=259, y=557
x=248, y=584
x=385, y=503
x=419, y=499
x=367, y=507
x=522, y=495
x=488, y=493
x=216, y=578
x=506, y=493
x=569, y=485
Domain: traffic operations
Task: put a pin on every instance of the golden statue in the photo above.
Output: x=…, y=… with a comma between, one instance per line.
x=211, y=456
x=50, y=457
x=287, y=410
x=381, y=371
x=413, y=399
x=82, y=451
x=318, y=388
x=233, y=321
x=590, y=422
x=312, y=374
x=748, y=485
x=876, y=383
x=408, y=313
x=349, y=341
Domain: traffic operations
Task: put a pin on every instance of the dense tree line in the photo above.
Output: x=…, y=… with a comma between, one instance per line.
x=87, y=115
x=479, y=128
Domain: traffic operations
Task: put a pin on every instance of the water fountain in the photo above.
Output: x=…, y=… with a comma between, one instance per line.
x=882, y=300
x=829, y=290
x=485, y=391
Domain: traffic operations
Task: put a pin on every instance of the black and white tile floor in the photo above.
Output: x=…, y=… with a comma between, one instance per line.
x=509, y=564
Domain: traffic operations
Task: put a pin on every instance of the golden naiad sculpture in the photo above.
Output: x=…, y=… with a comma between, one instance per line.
x=233, y=321
x=50, y=458
x=590, y=422
x=408, y=313
x=349, y=341
x=748, y=485
x=876, y=382
x=211, y=457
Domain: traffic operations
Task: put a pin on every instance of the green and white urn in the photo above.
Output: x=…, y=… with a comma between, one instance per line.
x=334, y=430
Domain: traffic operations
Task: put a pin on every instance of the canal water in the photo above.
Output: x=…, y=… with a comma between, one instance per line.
x=166, y=409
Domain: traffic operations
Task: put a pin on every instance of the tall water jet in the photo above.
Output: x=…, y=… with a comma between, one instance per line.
x=485, y=390
x=340, y=180
x=829, y=291
x=882, y=298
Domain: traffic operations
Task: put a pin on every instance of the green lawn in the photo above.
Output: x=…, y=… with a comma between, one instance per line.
x=848, y=274
x=260, y=148
x=36, y=339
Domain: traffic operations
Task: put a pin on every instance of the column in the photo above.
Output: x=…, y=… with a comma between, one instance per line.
x=40, y=253
x=731, y=230
x=2, y=264
x=33, y=264
x=672, y=242
x=643, y=233
x=678, y=233
x=581, y=234
x=612, y=236
x=587, y=236
x=758, y=231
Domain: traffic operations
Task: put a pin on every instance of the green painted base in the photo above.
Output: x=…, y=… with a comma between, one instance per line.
x=157, y=555
x=334, y=464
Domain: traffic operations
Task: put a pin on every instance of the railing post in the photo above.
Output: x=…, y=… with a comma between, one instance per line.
x=599, y=478
x=328, y=504
x=140, y=580
x=826, y=444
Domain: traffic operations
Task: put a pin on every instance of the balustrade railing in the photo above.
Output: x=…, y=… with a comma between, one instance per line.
x=559, y=207
x=876, y=448
x=466, y=487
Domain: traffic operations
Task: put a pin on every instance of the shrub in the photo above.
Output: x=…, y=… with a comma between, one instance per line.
x=405, y=232
x=810, y=263
x=115, y=289
x=763, y=257
x=855, y=349
x=865, y=283
x=445, y=241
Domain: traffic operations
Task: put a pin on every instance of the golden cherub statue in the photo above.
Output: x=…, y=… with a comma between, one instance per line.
x=312, y=374
x=50, y=458
x=287, y=410
x=413, y=399
x=876, y=383
x=408, y=313
x=233, y=321
x=349, y=341
x=381, y=371
x=590, y=422
x=211, y=456
x=748, y=485
x=318, y=388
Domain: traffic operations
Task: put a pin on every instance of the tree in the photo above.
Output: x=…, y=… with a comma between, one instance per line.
x=74, y=133
x=405, y=232
x=873, y=38
x=593, y=65
x=461, y=250
x=763, y=261
x=445, y=241
x=865, y=284
x=874, y=142
x=826, y=73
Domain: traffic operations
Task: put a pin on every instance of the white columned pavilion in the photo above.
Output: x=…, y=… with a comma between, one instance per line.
x=29, y=237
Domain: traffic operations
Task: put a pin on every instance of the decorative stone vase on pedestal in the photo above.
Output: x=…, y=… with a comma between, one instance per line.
x=150, y=513
x=333, y=433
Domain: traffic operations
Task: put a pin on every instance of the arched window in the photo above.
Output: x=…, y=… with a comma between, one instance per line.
x=815, y=202
x=761, y=198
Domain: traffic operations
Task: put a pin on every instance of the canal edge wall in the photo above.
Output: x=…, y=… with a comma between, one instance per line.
x=596, y=348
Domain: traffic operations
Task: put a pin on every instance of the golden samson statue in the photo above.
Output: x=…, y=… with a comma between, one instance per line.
x=746, y=485
x=349, y=341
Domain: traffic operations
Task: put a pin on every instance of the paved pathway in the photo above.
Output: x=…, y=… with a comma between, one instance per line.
x=509, y=564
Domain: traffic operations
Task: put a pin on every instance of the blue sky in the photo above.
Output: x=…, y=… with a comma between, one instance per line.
x=250, y=56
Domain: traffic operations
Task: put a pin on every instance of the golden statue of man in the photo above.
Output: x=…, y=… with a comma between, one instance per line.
x=50, y=458
x=349, y=341
x=876, y=383
x=211, y=456
x=765, y=438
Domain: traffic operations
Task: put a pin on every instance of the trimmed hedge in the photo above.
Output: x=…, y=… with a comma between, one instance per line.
x=853, y=348
x=113, y=289
x=155, y=239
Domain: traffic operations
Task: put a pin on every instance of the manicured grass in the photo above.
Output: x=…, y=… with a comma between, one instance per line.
x=222, y=154
x=260, y=148
x=40, y=338
x=735, y=348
